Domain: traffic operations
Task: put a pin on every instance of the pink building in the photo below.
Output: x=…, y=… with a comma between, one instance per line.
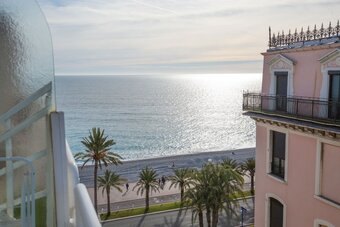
x=297, y=118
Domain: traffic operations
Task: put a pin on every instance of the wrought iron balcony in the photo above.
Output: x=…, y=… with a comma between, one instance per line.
x=301, y=108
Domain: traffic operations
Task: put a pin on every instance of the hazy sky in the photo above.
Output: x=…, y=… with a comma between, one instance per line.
x=173, y=36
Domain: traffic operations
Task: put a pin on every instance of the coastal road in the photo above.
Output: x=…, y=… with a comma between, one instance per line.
x=154, y=199
x=179, y=218
x=164, y=165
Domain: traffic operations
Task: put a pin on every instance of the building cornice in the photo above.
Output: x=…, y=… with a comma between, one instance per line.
x=307, y=48
x=310, y=128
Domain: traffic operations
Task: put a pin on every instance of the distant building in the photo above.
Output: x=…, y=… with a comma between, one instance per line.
x=297, y=118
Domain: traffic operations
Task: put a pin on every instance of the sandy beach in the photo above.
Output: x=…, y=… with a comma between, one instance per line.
x=163, y=166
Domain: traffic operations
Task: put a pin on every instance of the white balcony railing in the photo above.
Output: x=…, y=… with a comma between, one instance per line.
x=72, y=205
x=76, y=208
x=12, y=163
x=27, y=202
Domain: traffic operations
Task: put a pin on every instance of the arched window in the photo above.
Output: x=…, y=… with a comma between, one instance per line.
x=322, y=223
x=275, y=211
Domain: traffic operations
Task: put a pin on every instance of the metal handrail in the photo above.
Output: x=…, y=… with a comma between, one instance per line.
x=31, y=158
x=6, y=138
x=305, y=108
x=27, y=206
x=23, y=104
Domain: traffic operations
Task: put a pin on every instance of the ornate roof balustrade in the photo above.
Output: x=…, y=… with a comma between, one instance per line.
x=303, y=37
x=300, y=108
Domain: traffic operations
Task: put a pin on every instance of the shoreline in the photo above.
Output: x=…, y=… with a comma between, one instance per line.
x=174, y=157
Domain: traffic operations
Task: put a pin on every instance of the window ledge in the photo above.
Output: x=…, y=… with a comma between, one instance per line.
x=279, y=179
x=328, y=201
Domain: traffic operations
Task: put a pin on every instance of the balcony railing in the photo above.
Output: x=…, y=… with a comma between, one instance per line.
x=282, y=39
x=13, y=169
x=302, y=108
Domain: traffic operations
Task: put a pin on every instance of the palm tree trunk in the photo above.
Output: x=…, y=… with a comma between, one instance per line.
x=95, y=186
x=182, y=194
x=208, y=215
x=252, y=184
x=229, y=216
x=108, y=201
x=214, y=217
x=146, y=200
x=200, y=218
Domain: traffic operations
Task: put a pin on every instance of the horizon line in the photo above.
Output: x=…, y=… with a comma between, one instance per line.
x=155, y=74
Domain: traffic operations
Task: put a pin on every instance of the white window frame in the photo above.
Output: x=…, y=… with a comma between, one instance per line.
x=318, y=222
x=267, y=209
x=281, y=64
x=318, y=171
x=270, y=153
x=329, y=62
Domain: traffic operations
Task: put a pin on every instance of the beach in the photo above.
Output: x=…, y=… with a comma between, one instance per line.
x=164, y=167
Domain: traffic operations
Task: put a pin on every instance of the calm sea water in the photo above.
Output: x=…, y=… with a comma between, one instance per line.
x=154, y=116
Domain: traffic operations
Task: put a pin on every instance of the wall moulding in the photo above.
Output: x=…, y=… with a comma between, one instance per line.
x=298, y=128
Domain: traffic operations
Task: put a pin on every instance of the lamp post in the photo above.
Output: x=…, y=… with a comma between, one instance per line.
x=243, y=210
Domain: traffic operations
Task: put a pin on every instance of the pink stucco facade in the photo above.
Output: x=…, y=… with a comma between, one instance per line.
x=302, y=208
x=307, y=69
x=310, y=191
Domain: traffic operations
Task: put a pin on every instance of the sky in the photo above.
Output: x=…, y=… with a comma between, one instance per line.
x=111, y=37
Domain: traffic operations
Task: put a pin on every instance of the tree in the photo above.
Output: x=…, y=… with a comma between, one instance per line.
x=147, y=183
x=214, y=188
x=182, y=179
x=194, y=198
x=249, y=167
x=97, y=150
x=217, y=185
x=108, y=181
x=231, y=163
x=204, y=184
x=233, y=185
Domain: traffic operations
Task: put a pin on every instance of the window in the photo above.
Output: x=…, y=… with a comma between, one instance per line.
x=276, y=213
x=281, y=90
x=334, y=95
x=327, y=172
x=278, y=154
x=322, y=223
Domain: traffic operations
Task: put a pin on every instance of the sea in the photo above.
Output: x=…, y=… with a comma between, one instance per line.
x=151, y=116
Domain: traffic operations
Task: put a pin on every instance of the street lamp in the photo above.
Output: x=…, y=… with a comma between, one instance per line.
x=243, y=210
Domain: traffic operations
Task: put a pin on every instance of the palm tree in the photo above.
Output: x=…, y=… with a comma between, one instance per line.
x=220, y=184
x=204, y=183
x=231, y=163
x=97, y=150
x=147, y=183
x=194, y=198
x=249, y=167
x=182, y=179
x=108, y=181
x=233, y=185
